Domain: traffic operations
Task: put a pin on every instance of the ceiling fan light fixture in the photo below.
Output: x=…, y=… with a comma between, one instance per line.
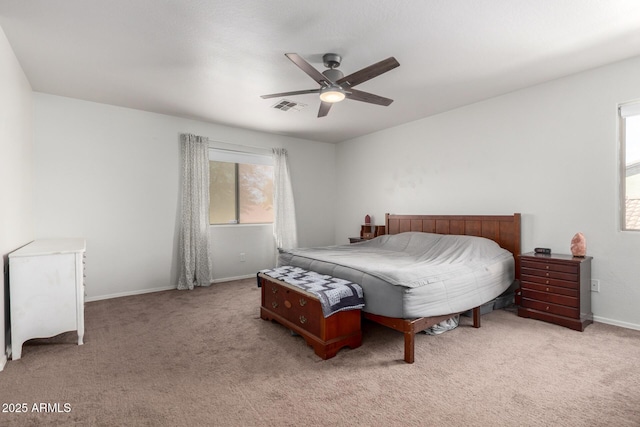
x=332, y=94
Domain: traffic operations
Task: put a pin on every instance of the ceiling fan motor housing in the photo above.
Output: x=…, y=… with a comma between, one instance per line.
x=331, y=60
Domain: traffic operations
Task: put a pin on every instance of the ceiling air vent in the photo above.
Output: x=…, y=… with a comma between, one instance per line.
x=286, y=105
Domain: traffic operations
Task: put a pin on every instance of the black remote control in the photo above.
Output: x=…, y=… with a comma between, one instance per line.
x=545, y=251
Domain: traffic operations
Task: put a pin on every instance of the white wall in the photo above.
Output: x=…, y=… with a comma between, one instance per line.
x=112, y=175
x=16, y=207
x=549, y=152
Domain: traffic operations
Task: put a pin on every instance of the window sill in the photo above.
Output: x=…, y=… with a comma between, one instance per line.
x=265, y=224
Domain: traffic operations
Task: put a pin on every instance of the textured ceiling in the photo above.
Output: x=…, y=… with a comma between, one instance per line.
x=211, y=60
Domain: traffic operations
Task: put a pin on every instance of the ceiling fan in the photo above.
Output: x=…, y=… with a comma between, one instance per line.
x=334, y=86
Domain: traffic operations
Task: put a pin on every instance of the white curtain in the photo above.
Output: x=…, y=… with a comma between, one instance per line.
x=194, y=230
x=284, y=224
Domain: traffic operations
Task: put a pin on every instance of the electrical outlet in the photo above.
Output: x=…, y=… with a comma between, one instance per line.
x=242, y=257
x=595, y=285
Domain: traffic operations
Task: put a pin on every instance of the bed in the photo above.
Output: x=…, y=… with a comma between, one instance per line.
x=403, y=288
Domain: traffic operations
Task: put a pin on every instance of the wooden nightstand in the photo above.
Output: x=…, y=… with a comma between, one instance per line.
x=556, y=288
x=368, y=232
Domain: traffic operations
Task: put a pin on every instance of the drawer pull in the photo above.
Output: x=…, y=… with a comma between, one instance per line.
x=547, y=289
x=287, y=304
x=546, y=266
x=547, y=282
x=303, y=320
x=274, y=290
x=274, y=304
x=303, y=302
x=547, y=274
x=547, y=308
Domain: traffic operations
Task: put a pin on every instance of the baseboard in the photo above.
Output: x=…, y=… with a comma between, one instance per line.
x=130, y=293
x=616, y=323
x=167, y=288
x=230, y=279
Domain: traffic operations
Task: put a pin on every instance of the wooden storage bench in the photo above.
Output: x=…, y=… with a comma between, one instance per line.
x=301, y=312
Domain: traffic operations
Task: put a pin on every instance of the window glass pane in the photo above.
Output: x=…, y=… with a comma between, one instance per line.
x=632, y=172
x=256, y=193
x=222, y=192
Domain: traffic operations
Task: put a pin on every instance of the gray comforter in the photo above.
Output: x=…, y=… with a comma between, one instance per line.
x=440, y=274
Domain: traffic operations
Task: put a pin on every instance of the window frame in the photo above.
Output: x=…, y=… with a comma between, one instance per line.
x=238, y=157
x=625, y=110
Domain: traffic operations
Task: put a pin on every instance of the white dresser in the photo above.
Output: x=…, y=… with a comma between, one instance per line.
x=46, y=290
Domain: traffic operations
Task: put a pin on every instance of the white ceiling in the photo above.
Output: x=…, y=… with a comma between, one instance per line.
x=211, y=60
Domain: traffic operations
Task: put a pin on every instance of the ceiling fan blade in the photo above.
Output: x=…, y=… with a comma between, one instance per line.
x=324, y=108
x=358, y=95
x=308, y=68
x=369, y=72
x=296, y=92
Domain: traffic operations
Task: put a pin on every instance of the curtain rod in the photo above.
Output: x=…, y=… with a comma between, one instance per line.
x=268, y=150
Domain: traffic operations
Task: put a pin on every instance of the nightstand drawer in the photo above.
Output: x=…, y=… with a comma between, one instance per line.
x=542, y=280
x=551, y=308
x=550, y=266
x=571, y=291
x=550, y=297
x=551, y=274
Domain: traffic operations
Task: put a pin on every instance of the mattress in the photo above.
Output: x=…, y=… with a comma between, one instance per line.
x=410, y=275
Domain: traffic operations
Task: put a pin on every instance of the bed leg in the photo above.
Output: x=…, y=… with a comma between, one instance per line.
x=476, y=317
x=409, y=346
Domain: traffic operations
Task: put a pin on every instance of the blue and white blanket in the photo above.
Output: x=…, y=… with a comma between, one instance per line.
x=334, y=294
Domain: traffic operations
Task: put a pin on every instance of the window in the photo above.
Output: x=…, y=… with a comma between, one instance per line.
x=240, y=188
x=630, y=166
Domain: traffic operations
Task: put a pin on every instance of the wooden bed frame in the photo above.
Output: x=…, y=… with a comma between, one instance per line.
x=503, y=229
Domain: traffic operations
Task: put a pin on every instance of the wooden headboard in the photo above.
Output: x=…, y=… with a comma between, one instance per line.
x=502, y=229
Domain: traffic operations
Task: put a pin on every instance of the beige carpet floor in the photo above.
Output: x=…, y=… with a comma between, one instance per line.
x=205, y=358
